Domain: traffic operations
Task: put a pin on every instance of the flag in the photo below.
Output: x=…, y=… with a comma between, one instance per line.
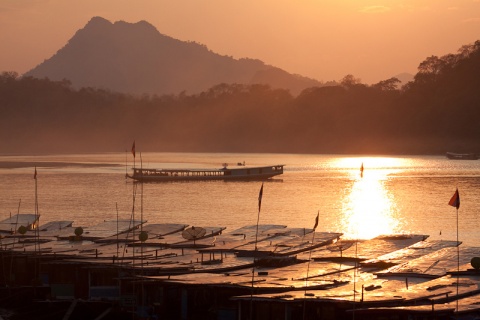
x=133, y=149
x=35, y=174
x=455, y=200
x=260, y=198
x=316, y=221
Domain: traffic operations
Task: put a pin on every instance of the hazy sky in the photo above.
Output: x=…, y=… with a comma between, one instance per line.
x=321, y=39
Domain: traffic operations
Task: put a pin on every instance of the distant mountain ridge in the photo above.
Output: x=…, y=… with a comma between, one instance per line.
x=136, y=58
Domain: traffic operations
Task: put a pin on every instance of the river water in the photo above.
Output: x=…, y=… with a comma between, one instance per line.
x=395, y=195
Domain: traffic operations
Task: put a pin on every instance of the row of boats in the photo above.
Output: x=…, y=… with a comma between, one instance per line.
x=253, y=272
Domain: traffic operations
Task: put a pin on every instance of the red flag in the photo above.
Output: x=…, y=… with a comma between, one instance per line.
x=133, y=149
x=316, y=221
x=260, y=198
x=35, y=174
x=455, y=200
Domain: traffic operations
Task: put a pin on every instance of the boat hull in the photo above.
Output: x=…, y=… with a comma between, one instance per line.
x=462, y=156
x=244, y=173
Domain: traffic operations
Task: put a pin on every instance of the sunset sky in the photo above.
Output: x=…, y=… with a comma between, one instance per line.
x=321, y=39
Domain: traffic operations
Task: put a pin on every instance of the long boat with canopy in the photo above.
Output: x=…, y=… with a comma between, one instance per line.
x=225, y=173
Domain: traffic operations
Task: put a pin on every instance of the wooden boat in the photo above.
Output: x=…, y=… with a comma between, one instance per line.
x=462, y=156
x=225, y=173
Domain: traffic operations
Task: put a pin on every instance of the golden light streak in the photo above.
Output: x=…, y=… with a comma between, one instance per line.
x=367, y=208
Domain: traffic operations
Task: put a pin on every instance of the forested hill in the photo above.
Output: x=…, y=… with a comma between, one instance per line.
x=136, y=58
x=437, y=112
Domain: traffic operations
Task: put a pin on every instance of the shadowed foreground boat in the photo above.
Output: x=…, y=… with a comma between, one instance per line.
x=462, y=156
x=110, y=271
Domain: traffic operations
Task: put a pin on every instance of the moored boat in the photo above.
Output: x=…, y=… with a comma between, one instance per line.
x=225, y=173
x=462, y=156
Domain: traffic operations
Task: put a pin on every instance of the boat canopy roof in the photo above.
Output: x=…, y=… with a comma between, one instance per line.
x=204, y=170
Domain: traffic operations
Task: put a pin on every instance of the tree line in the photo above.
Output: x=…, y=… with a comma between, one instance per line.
x=438, y=111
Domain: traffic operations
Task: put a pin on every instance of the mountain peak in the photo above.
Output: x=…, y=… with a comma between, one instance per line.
x=136, y=58
x=97, y=22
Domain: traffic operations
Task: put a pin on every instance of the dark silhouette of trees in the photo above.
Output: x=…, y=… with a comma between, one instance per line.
x=387, y=85
x=437, y=112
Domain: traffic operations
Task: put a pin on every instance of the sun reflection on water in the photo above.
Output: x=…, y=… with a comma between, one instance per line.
x=367, y=205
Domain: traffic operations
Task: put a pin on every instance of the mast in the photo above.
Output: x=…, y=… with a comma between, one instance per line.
x=133, y=152
x=260, y=195
x=37, y=215
x=126, y=165
x=141, y=234
x=309, y=258
x=36, y=225
x=455, y=202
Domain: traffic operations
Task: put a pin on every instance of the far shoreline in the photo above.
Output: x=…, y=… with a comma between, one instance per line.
x=50, y=164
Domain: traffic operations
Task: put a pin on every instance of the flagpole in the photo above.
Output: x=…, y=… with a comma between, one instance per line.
x=133, y=153
x=141, y=232
x=132, y=217
x=308, y=265
x=116, y=206
x=355, y=278
x=458, y=257
x=455, y=202
x=36, y=207
x=37, y=234
x=260, y=195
